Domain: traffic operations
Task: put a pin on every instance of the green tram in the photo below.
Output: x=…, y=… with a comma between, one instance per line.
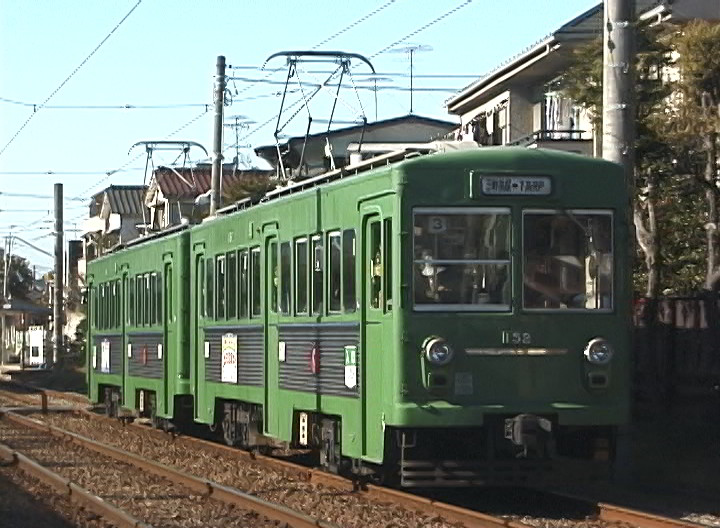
x=453, y=318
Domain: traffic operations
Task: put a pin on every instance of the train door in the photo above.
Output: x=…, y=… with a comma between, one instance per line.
x=270, y=294
x=168, y=334
x=376, y=313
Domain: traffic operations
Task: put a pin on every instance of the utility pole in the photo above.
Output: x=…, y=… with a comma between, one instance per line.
x=58, y=294
x=618, y=134
x=618, y=144
x=6, y=267
x=215, y=196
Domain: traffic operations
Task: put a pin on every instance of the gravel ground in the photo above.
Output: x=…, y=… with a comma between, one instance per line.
x=25, y=501
x=147, y=497
x=342, y=508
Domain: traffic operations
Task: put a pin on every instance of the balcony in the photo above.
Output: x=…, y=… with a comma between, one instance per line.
x=577, y=141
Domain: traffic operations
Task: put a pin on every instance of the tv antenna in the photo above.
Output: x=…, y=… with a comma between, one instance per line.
x=238, y=123
x=411, y=49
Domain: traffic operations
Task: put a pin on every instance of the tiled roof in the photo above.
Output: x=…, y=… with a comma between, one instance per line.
x=197, y=180
x=123, y=199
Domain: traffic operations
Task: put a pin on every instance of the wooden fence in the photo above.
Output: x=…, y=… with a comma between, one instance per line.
x=677, y=347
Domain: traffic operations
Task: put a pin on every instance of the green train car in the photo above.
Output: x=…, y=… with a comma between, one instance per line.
x=454, y=318
x=138, y=336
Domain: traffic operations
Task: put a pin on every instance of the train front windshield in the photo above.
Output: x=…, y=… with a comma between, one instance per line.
x=461, y=259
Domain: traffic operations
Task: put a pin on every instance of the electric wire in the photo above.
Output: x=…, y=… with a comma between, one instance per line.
x=126, y=106
x=72, y=74
x=356, y=23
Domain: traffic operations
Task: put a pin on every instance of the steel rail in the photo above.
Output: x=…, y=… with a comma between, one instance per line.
x=72, y=491
x=612, y=513
x=272, y=511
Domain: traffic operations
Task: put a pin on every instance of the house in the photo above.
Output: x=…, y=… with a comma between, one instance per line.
x=320, y=152
x=19, y=318
x=512, y=105
x=173, y=191
x=116, y=216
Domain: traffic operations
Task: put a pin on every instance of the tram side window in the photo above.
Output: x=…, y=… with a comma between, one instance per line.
x=301, y=276
x=285, y=277
x=387, y=237
x=169, y=293
x=158, y=298
x=317, y=260
x=139, y=287
x=376, y=265
x=349, y=251
x=255, y=274
x=131, y=301
x=231, y=285
x=200, y=278
x=243, y=283
x=334, y=272
x=153, y=298
x=113, y=294
x=148, y=300
x=220, y=297
x=94, y=305
x=209, y=287
x=274, y=276
x=100, y=305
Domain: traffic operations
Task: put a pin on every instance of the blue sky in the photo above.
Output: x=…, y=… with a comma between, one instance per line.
x=164, y=54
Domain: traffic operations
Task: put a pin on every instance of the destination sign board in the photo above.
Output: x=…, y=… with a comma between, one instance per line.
x=516, y=185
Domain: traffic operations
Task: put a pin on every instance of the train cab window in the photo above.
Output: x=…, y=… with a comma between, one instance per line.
x=209, y=288
x=255, y=282
x=317, y=260
x=334, y=272
x=94, y=308
x=131, y=301
x=153, y=298
x=231, y=285
x=461, y=259
x=243, y=284
x=285, y=277
x=348, y=265
x=113, y=296
x=567, y=260
x=301, y=276
x=220, y=296
x=168, y=294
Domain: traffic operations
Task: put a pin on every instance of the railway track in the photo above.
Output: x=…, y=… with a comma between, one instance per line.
x=431, y=511
x=146, y=493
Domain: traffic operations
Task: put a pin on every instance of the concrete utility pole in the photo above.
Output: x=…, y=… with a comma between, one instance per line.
x=215, y=197
x=58, y=294
x=618, y=137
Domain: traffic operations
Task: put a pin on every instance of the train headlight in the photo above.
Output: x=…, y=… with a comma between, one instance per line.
x=437, y=351
x=598, y=351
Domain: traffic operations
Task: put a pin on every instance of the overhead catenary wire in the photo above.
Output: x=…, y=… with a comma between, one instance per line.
x=124, y=106
x=380, y=52
x=72, y=74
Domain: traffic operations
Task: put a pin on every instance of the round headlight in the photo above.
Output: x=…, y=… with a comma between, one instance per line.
x=598, y=351
x=437, y=351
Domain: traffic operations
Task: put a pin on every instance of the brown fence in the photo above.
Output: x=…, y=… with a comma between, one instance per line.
x=677, y=346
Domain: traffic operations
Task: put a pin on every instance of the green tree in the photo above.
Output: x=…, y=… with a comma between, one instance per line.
x=19, y=279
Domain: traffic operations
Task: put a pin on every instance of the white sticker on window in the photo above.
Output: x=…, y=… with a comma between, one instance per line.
x=160, y=351
x=281, y=351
